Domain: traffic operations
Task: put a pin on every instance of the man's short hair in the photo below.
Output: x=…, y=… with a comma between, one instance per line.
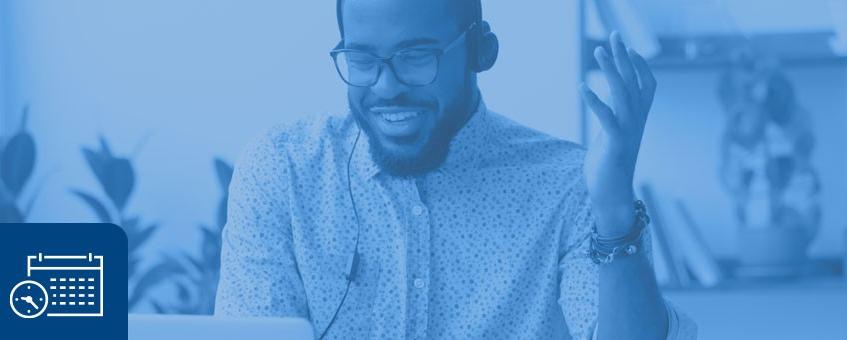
x=470, y=12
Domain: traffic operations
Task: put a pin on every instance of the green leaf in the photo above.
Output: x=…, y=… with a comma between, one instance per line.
x=198, y=266
x=211, y=248
x=158, y=308
x=17, y=161
x=224, y=172
x=183, y=293
x=118, y=181
x=95, y=162
x=116, y=175
x=130, y=226
x=153, y=277
x=95, y=205
x=222, y=212
x=141, y=238
x=132, y=266
x=9, y=213
x=105, y=150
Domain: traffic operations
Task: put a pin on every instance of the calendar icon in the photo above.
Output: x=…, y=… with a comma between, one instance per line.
x=61, y=286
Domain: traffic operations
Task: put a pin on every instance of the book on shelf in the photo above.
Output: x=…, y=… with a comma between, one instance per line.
x=681, y=255
x=699, y=258
x=671, y=258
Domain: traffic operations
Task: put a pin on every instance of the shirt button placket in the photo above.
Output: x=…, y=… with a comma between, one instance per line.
x=420, y=281
x=420, y=230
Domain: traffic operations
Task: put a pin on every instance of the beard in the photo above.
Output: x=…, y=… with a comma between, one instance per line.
x=432, y=150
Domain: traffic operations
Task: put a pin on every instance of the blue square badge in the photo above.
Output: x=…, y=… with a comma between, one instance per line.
x=64, y=281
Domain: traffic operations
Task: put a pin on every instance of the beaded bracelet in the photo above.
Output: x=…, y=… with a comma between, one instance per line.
x=605, y=250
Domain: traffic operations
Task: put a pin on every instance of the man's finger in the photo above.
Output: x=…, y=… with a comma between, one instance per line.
x=604, y=114
x=624, y=64
x=646, y=79
x=620, y=96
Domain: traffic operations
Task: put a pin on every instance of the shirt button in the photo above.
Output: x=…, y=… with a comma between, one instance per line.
x=417, y=210
x=419, y=283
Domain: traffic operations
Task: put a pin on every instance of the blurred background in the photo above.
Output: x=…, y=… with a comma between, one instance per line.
x=133, y=112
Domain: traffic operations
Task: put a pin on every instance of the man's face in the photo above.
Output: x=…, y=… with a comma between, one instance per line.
x=410, y=127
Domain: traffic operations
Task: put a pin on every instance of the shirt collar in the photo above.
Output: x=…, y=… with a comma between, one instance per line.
x=465, y=149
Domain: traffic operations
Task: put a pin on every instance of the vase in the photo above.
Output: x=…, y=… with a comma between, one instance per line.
x=772, y=252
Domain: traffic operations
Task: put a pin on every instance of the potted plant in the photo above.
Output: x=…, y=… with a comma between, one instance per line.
x=765, y=167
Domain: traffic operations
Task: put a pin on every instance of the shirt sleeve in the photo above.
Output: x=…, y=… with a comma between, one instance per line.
x=580, y=277
x=680, y=326
x=579, y=286
x=259, y=275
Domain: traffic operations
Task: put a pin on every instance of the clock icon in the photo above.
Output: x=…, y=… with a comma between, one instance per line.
x=28, y=299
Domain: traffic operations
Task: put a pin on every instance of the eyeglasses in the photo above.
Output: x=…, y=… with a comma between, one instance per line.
x=412, y=67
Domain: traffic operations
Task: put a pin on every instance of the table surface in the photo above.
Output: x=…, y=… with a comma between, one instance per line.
x=802, y=309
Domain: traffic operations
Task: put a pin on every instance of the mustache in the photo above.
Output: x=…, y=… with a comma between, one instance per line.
x=400, y=101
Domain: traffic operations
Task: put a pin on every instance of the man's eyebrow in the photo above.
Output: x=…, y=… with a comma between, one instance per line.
x=409, y=43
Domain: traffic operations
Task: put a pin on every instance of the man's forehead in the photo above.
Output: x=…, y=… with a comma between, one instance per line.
x=402, y=7
x=380, y=22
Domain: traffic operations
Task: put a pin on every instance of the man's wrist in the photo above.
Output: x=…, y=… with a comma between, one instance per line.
x=604, y=250
x=614, y=218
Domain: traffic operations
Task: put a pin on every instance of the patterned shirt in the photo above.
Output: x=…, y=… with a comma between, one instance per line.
x=491, y=245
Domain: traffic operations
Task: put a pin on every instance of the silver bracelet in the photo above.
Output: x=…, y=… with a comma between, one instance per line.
x=604, y=250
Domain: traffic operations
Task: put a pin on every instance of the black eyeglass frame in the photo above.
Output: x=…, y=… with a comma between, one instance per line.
x=438, y=52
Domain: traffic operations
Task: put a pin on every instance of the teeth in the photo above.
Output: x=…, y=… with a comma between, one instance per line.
x=399, y=116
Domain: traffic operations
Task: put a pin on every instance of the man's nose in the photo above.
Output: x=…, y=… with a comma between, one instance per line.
x=387, y=85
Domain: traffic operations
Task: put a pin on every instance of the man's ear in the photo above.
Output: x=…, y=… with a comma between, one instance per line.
x=488, y=47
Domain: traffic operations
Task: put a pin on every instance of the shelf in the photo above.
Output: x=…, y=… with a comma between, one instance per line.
x=800, y=49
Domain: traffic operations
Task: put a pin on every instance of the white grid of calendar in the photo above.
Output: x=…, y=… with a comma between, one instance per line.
x=74, y=283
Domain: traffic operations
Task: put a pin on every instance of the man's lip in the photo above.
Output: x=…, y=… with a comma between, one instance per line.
x=395, y=109
x=401, y=129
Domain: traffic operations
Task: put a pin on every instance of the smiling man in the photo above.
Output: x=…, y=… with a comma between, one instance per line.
x=412, y=108
x=421, y=214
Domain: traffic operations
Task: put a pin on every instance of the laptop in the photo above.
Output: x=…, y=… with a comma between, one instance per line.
x=185, y=327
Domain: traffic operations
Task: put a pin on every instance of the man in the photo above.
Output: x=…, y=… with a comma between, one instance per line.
x=421, y=214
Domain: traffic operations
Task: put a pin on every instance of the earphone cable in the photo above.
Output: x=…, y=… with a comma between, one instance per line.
x=351, y=275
